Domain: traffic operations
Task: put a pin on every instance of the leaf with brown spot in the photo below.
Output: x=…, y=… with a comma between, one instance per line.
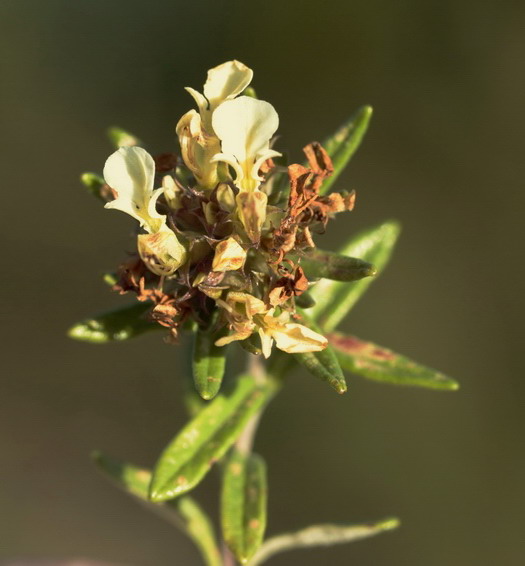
x=207, y=437
x=381, y=364
x=243, y=504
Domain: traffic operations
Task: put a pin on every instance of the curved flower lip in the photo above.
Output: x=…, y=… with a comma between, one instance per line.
x=224, y=82
x=245, y=126
x=130, y=171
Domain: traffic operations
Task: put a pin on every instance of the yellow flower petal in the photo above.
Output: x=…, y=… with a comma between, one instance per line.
x=295, y=338
x=244, y=126
x=130, y=171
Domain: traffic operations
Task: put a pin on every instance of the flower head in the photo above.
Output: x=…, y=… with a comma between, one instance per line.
x=221, y=245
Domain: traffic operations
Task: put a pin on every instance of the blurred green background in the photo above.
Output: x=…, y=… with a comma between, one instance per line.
x=444, y=156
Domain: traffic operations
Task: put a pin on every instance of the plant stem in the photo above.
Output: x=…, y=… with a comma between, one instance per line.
x=227, y=557
x=245, y=441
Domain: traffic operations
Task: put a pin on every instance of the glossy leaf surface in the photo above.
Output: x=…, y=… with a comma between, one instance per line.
x=114, y=326
x=243, y=504
x=321, y=535
x=378, y=363
x=334, y=299
x=344, y=143
x=206, y=438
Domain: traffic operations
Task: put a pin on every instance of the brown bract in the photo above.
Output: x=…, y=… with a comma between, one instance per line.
x=306, y=207
x=288, y=286
x=135, y=277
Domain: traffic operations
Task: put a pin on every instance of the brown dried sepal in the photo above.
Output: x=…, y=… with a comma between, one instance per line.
x=288, y=286
x=306, y=208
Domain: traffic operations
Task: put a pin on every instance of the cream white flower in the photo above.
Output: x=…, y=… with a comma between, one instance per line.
x=244, y=126
x=224, y=82
x=195, y=131
x=247, y=314
x=130, y=171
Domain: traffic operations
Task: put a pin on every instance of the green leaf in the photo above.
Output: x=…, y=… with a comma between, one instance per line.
x=120, y=138
x=131, y=478
x=116, y=325
x=94, y=184
x=243, y=504
x=330, y=265
x=378, y=363
x=209, y=363
x=184, y=513
x=324, y=364
x=334, y=299
x=206, y=438
x=344, y=143
x=321, y=535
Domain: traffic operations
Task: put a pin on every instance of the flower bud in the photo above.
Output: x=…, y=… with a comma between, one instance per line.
x=225, y=197
x=172, y=193
x=251, y=209
x=162, y=252
x=229, y=256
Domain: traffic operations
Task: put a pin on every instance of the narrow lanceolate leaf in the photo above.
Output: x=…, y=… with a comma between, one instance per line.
x=378, y=363
x=206, y=438
x=116, y=325
x=334, y=299
x=344, y=143
x=324, y=364
x=330, y=265
x=94, y=184
x=321, y=535
x=243, y=504
x=184, y=513
x=209, y=362
x=120, y=138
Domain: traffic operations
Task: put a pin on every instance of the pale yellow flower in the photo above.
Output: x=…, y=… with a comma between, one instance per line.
x=245, y=126
x=224, y=82
x=195, y=130
x=247, y=314
x=130, y=171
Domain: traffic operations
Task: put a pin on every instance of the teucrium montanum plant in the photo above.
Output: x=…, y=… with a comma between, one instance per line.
x=226, y=251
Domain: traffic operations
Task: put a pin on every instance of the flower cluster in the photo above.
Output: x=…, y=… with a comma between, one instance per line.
x=225, y=225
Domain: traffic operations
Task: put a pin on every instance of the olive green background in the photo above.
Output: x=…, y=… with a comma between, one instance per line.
x=444, y=156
